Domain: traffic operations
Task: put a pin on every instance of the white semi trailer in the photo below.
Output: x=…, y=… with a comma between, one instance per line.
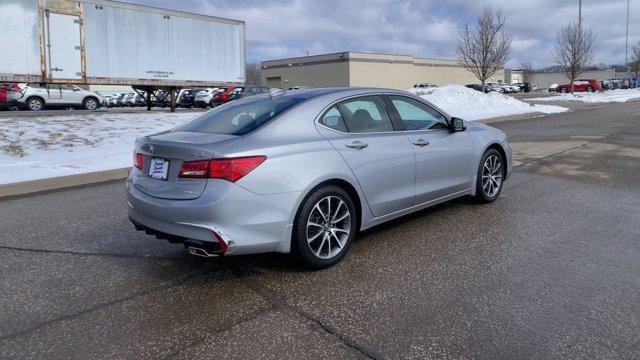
x=104, y=42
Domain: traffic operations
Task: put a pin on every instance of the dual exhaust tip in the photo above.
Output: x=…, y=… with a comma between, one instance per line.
x=198, y=251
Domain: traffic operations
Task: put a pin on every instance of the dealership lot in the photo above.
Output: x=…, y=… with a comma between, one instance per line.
x=549, y=270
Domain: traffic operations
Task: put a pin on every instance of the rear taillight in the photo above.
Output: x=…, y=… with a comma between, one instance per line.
x=138, y=161
x=194, y=169
x=231, y=169
x=234, y=169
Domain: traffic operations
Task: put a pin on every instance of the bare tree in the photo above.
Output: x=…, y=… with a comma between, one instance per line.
x=573, y=50
x=635, y=58
x=527, y=71
x=252, y=73
x=485, y=49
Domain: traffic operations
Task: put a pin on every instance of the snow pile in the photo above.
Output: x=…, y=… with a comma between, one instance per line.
x=469, y=104
x=609, y=96
x=44, y=147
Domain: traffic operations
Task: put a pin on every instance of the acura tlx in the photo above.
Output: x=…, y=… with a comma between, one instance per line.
x=303, y=171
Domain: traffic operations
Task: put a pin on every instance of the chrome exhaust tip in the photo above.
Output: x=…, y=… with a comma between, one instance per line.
x=196, y=251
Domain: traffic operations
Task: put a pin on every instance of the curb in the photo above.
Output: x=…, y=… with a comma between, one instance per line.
x=62, y=182
x=517, y=117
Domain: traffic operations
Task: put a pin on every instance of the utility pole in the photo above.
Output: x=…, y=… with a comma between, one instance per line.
x=626, y=42
x=579, y=14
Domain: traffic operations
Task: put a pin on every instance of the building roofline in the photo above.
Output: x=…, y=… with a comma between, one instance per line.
x=346, y=56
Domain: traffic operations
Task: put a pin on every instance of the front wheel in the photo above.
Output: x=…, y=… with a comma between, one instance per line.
x=563, y=90
x=325, y=227
x=490, y=176
x=90, y=104
x=589, y=89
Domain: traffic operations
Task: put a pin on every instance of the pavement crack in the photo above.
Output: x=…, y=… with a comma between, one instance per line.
x=152, y=290
x=279, y=303
x=81, y=253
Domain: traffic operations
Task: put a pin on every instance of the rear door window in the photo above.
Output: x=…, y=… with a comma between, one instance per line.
x=365, y=114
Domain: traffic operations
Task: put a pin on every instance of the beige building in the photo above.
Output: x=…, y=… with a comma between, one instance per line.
x=365, y=69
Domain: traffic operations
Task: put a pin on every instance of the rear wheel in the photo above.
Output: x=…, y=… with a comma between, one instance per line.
x=589, y=89
x=35, y=104
x=325, y=227
x=490, y=176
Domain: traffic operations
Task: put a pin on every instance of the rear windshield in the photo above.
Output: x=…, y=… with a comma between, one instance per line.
x=241, y=116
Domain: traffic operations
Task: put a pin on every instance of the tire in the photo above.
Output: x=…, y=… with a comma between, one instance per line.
x=35, y=104
x=490, y=176
x=563, y=90
x=589, y=89
x=90, y=104
x=330, y=239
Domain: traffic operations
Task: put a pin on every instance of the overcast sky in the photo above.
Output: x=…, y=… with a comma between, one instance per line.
x=422, y=28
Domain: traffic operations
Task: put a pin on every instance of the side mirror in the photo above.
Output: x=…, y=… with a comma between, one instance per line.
x=458, y=124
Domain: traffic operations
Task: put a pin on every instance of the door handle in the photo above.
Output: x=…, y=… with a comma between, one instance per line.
x=421, y=142
x=359, y=145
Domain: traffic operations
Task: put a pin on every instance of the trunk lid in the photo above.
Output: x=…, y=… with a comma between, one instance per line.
x=175, y=148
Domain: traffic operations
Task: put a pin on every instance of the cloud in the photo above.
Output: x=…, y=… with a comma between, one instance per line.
x=424, y=28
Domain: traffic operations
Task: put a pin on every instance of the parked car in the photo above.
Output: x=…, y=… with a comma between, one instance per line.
x=204, y=98
x=160, y=98
x=36, y=97
x=477, y=87
x=223, y=95
x=524, y=87
x=186, y=97
x=129, y=99
x=588, y=85
x=4, y=95
x=250, y=90
x=424, y=88
x=305, y=171
x=495, y=87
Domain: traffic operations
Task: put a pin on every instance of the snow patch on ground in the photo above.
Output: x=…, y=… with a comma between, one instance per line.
x=49, y=146
x=609, y=96
x=463, y=102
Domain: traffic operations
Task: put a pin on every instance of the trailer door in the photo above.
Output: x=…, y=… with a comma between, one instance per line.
x=63, y=48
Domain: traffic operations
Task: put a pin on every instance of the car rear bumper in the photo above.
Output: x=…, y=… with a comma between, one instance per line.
x=247, y=222
x=200, y=103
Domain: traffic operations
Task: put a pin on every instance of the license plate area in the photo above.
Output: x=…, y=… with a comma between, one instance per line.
x=159, y=168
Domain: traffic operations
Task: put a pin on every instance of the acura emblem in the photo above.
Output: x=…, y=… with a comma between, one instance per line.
x=151, y=149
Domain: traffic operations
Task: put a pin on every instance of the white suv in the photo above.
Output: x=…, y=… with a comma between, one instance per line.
x=36, y=97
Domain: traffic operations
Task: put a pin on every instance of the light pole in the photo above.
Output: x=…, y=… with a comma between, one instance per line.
x=626, y=42
x=579, y=14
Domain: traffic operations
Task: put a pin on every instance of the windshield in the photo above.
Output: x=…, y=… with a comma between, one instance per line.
x=241, y=116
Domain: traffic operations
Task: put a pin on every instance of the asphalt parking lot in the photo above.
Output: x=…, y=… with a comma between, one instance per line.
x=550, y=270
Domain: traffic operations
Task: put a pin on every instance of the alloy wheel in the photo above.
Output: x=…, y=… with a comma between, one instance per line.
x=328, y=227
x=91, y=104
x=492, y=176
x=35, y=105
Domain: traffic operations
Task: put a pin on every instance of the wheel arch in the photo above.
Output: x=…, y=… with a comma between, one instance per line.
x=91, y=97
x=498, y=147
x=36, y=97
x=345, y=185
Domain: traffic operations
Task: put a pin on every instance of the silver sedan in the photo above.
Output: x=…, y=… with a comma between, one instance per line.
x=303, y=171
